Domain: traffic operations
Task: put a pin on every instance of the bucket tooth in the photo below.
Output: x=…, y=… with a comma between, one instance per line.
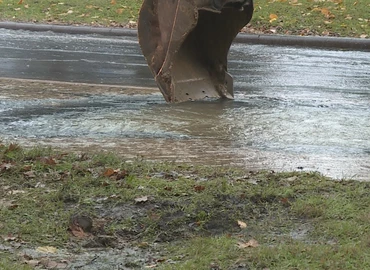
x=186, y=43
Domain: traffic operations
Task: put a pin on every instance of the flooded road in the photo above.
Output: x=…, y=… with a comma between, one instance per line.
x=294, y=108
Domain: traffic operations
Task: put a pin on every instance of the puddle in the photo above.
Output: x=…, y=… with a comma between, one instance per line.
x=294, y=108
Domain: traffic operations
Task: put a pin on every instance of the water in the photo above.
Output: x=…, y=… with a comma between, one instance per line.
x=294, y=108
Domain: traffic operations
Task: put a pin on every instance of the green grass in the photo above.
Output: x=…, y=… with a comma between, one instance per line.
x=94, y=12
x=298, y=17
x=300, y=220
x=307, y=17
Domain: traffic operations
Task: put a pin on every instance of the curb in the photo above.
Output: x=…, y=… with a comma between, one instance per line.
x=360, y=44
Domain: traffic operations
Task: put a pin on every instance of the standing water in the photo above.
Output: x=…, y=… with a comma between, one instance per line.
x=294, y=108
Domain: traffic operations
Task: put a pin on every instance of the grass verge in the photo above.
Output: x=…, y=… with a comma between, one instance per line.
x=199, y=217
x=297, y=17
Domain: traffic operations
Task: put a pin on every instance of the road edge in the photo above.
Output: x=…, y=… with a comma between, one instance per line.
x=361, y=44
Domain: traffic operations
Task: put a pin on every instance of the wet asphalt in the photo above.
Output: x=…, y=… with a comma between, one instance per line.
x=294, y=108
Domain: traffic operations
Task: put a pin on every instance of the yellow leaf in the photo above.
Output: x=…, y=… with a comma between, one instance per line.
x=120, y=10
x=113, y=2
x=47, y=249
x=242, y=224
x=325, y=11
x=273, y=17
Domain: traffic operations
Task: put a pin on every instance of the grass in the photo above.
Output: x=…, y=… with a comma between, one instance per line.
x=297, y=17
x=299, y=220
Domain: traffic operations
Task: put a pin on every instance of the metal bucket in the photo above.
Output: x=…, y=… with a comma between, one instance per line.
x=186, y=43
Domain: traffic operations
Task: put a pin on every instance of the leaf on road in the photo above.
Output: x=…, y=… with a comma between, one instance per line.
x=251, y=243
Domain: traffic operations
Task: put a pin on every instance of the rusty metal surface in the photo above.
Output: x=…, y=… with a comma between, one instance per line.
x=186, y=42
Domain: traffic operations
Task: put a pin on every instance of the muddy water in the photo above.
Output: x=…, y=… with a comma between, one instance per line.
x=294, y=109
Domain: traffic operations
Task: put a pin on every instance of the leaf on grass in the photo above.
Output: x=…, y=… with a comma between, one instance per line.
x=120, y=10
x=108, y=172
x=48, y=160
x=199, y=188
x=151, y=266
x=77, y=231
x=6, y=166
x=113, y=2
x=273, y=17
x=242, y=224
x=20, y=2
x=13, y=192
x=50, y=264
x=141, y=199
x=9, y=238
x=47, y=249
x=251, y=243
x=29, y=174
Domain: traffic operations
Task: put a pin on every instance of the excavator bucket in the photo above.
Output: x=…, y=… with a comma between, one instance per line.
x=186, y=43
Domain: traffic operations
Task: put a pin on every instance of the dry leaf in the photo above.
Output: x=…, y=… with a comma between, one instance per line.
x=151, y=266
x=48, y=160
x=273, y=17
x=242, y=224
x=113, y=2
x=47, y=249
x=120, y=10
x=32, y=263
x=251, y=243
x=29, y=174
x=77, y=231
x=108, y=172
x=199, y=188
x=5, y=166
x=141, y=199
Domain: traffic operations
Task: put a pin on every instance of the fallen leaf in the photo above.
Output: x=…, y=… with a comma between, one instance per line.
x=32, y=263
x=5, y=166
x=13, y=192
x=242, y=224
x=20, y=2
x=47, y=249
x=273, y=17
x=151, y=266
x=141, y=199
x=121, y=175
x=120, y=10
x=47, y=160
x=199, y=188
x=251, y=243
x=9, y=238
x=108, y=172
x=29, y=174
x=113, y=2
x=77, y=231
